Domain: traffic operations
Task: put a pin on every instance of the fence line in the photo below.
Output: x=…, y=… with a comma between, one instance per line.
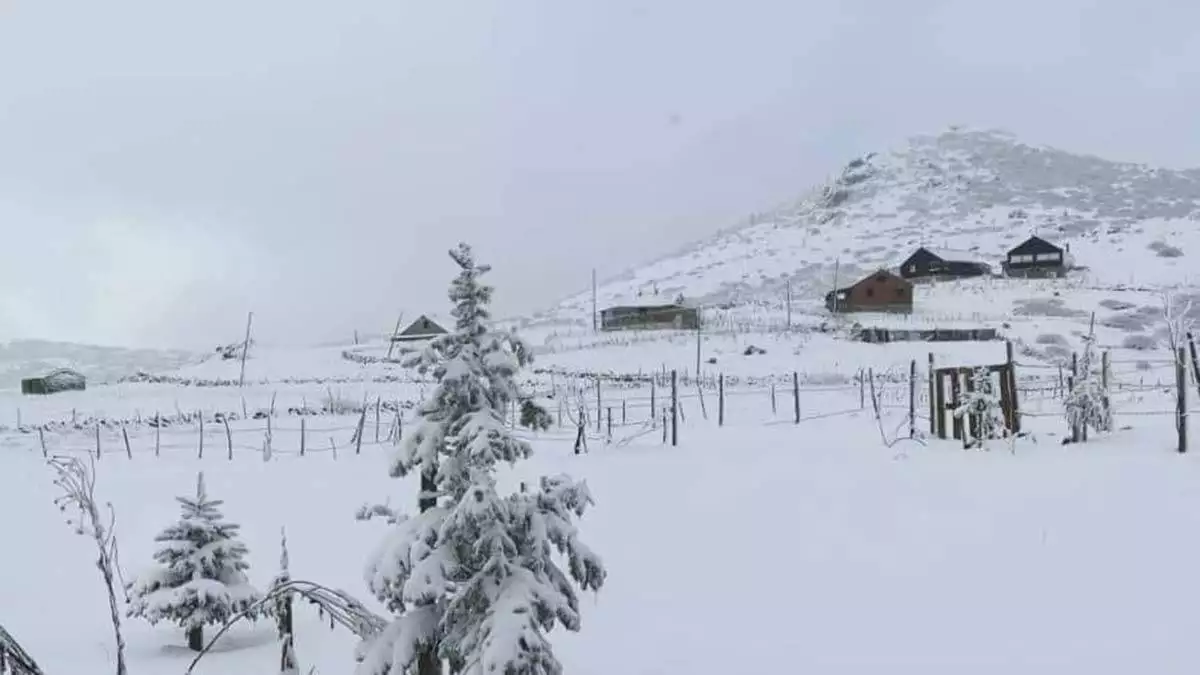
x=598, y=421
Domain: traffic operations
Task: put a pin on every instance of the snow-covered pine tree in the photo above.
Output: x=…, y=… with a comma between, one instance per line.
x=281, y=610
x=980, y=407
x=473, y=579
x=201, y=577
x=1088, y=404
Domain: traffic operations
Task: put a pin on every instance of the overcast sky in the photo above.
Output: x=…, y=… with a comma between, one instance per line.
x=166, y=167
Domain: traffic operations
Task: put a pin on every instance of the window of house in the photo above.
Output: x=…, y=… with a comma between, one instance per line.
x=1048, y=257
x=1020, y=258
x=899, y=292
x=912, y=268
x=870, y=292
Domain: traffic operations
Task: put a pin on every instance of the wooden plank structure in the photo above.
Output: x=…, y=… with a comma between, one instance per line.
x=958, y=379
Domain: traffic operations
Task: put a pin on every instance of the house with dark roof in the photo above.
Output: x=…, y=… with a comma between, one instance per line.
x=928, y=262
x=424, y=328
x=881, y=291
x=1036, y=257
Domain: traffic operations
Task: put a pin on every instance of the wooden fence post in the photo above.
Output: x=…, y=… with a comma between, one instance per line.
x=362, y=422
x=1014, y=399
x=200, y=421
x=303, y=436
x=664, y=423
x=228, y=437
x=378, y=413
x=862, y=390
x=674, y=408
x=774, y=409
x=932, y=399
x=956, y=400
x=1181, y=416
x=610, y=424
x=721, y=400
x=1074, y=425
x=42, y=440
x=1195, y=363
x=97, y=439
x=653, y=407
x=912, y=398
x=796, y=395
x=624, y=413
x=125, y=435
x=598, y=420
x=157, y=432
x=939, y=395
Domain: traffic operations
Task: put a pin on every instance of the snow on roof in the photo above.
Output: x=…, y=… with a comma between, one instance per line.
x=949, y=254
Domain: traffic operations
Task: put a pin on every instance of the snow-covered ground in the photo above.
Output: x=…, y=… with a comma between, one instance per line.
x=834, y=545
x=760, y=547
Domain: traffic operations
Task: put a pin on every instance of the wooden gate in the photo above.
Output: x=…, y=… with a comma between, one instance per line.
x=949, y=385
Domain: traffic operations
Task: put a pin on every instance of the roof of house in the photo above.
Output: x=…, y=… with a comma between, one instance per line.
x=1035, y=242
x=865, y=277
x=949, y=254
x=444, y=321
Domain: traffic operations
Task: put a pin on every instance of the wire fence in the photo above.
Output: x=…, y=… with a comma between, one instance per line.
x=607, y=410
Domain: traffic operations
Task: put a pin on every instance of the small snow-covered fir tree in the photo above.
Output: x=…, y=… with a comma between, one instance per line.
x=201, y=574
x=1088, y=405
x=473, y=579
x=981, y=408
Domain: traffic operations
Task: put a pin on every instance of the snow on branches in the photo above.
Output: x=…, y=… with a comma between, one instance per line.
x=981, y=407
x=1087, y=404
x=201, y=577
x=473, y=579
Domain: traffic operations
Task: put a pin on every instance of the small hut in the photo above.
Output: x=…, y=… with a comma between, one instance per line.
x=63, y=379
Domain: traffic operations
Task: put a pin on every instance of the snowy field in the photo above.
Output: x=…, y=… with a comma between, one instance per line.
x=761, y=545
x=757, y=547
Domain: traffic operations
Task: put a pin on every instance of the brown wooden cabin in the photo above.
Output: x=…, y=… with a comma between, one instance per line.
x=880, y=291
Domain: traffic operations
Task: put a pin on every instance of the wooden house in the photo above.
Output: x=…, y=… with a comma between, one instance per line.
x=650, y=317
x=424, y=328
x=935, y=263
x=881, y=291
x=1036, y=257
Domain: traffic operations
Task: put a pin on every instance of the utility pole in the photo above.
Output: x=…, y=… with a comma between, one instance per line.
x=595, y=316
x=245, y=348
x=697, y=349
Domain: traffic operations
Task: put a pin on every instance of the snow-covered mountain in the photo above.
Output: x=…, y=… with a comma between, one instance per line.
x=30, y=358
x=964, y=189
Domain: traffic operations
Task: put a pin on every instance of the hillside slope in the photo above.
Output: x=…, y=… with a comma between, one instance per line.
x=977, y=190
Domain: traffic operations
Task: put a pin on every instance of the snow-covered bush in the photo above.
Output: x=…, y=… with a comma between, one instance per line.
x=472, y=579
x=1164, y=250
x=981, y=409
x=1139, y=342
x=201, y=577
x=1088, y=405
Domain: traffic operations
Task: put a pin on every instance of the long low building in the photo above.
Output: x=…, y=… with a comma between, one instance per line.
x=650, y=317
